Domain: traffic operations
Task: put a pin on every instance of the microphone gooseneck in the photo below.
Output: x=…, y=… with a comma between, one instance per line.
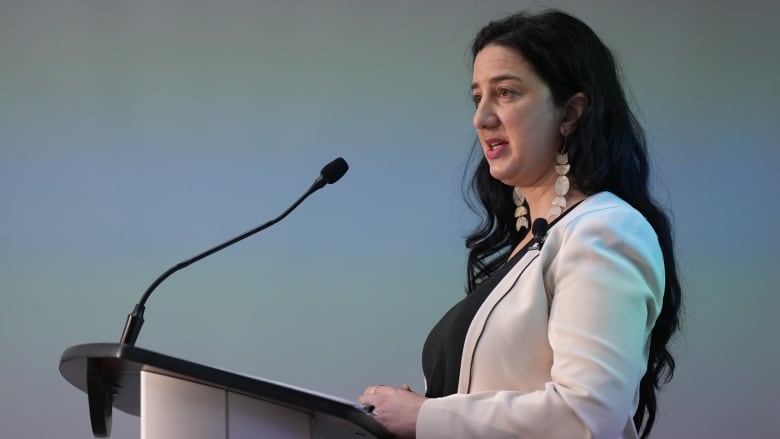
x=331, y=173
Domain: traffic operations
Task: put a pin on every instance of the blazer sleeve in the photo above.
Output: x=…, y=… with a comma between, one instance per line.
x=605, y=279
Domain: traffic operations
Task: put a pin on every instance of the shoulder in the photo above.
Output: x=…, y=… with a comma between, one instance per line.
x=603, y=214
x=601, y=205
x=603, y=232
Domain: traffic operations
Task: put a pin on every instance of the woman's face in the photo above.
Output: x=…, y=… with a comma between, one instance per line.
x=517, y=122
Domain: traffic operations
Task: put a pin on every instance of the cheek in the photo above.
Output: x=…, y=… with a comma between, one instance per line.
x=537, y=125
x=534, y=134
x=521, y=126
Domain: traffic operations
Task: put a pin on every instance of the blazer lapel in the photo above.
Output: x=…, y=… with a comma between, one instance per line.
x=483, y=314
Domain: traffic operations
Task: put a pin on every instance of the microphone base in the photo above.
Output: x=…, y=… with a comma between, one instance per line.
x=133, y=326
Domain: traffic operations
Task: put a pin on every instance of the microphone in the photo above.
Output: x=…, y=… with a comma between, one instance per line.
x=539, y=229
x=330, y=173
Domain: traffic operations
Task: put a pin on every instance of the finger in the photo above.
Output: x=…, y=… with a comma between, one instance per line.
x=367, y=399
x=372, y=390
x=406, y=387
x=382, y=389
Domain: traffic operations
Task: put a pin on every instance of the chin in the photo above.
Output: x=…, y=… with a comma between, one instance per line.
x=502, y=176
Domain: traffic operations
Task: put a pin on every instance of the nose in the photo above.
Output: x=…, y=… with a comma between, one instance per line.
x=484, y=116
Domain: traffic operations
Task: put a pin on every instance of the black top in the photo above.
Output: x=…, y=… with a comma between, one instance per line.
x=443, y=348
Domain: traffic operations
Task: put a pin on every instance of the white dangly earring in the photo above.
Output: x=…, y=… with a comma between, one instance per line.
x=521, y=212
x=562, y=182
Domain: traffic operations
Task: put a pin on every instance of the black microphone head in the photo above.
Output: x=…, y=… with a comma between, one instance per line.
x=334, y=170
x=539, y=228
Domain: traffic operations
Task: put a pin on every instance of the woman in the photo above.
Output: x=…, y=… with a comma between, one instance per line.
x=572, y=286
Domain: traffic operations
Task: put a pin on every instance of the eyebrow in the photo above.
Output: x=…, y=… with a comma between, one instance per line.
x=499, y=79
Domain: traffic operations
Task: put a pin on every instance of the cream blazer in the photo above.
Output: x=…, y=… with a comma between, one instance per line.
x=558, y=348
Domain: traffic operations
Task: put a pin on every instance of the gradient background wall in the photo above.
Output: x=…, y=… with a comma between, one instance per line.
x=134, y=134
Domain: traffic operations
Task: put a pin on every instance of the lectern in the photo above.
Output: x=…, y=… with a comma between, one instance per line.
x=179, y=399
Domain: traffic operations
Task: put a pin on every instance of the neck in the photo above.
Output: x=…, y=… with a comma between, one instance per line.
x=539, y=200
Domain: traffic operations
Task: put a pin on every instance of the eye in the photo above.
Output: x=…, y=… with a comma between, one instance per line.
x=476, y=98
x=503, y=92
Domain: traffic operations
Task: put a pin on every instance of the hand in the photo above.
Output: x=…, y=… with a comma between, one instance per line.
x=396, y=408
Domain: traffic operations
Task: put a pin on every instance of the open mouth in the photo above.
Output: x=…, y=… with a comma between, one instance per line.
x=494, y=143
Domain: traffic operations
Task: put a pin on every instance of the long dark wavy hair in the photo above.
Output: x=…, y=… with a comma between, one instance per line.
x=607, y=152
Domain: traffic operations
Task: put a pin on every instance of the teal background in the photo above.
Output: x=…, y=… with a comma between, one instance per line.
x=134, y=134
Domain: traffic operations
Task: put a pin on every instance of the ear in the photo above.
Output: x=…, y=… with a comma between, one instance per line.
x=573, y=109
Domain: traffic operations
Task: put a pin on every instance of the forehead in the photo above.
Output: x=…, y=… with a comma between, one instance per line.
x=498, y=62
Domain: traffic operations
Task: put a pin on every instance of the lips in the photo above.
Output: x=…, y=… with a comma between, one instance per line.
x=495, y=146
